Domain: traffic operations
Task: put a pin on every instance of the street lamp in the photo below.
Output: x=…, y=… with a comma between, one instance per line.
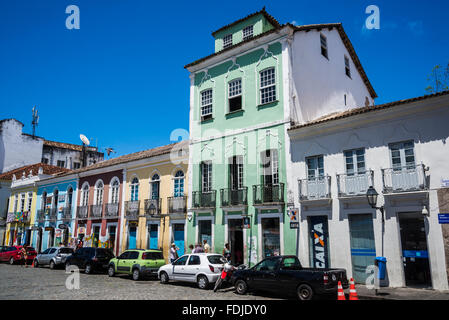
x=371, y=196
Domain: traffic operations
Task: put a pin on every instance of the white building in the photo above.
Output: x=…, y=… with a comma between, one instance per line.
x=401, y=149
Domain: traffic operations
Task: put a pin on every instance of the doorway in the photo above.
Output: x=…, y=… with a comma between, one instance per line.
x=152, y=236
x=178, y=237
x=39, y=240
x=51, y=237
x=28, y=237
x=96, y=236
x=235, y=236
x=132, y=236
x=415, y=256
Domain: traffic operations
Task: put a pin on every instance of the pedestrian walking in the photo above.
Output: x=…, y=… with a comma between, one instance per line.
x=173, y=253
x=24, y=255
x=206, y=246
x=227, y=252
x=198, y=248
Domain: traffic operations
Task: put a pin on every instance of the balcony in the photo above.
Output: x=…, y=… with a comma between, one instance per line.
x=111, y=210
x=352, y=185
x=204, y=200
x=404, y=179
x=82, y=212
x=317, y=188
x=153, y=207
x=132, y=210
x=53, y=214
x=66, y=213
x=268, y=194
x=177, y=205
x=96, y=211
x=234, y=197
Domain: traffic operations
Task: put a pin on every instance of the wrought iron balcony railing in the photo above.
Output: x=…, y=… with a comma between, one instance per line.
x=66, y=213
x=316, y=188
x=152, y=207
x=268, y=194
x=96, y=211
x=204, y=199
x=177, y=205
x=111, y=210
x=132, y=210
x=354, y=184
x=234, y=197
x=404, y=179
x=82, y=212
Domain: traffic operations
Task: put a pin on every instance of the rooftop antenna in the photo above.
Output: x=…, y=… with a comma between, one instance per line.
x=35, y=120
x=86, y=142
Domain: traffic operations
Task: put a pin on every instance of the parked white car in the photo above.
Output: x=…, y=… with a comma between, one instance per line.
x=202, y=268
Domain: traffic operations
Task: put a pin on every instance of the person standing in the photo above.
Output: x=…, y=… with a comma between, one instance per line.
x=206, y=246
x=173, y=253
x=24, y=255
x=191, y=248
x=227, y=252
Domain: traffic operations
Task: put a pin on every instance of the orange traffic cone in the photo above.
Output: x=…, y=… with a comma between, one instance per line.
x=341, y=294
x=352, y=292
x=32, y=264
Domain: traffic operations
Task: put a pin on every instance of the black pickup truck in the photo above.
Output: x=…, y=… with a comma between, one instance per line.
x=285, y=275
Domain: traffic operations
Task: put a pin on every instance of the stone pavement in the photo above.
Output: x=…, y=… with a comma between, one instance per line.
x=385, y=293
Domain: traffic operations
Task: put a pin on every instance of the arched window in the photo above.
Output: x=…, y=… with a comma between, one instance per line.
x=55, y=198
x=69, y=197
x=85, y=195
x=178, y=184
x=155, y=183
x=135, y=189
x=43, y=203
x=99, y=188
x=115, y=187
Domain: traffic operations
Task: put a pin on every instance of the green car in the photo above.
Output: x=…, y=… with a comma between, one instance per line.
x=137, y=262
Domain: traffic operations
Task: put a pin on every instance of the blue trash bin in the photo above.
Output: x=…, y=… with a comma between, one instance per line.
x=381, y=262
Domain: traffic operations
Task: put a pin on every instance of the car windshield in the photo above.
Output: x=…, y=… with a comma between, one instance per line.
x=215, y=259
x=66, y=250
x=152, y=256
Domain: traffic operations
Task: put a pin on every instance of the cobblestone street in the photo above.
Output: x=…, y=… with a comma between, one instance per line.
x=17, y=282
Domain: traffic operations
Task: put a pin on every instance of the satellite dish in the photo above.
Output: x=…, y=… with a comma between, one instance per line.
x=84, y=139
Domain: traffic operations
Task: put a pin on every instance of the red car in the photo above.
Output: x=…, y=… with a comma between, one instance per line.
x=12, y=254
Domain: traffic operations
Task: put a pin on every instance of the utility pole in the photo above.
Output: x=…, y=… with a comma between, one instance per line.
x=35, y=120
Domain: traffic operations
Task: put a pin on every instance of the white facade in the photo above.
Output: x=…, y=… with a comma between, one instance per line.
x=425, y=124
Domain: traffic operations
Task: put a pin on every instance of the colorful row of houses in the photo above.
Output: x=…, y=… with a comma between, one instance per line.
x=283, y=127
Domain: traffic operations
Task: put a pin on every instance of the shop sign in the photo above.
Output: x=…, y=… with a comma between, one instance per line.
x=63, y=226
x=48, y=228
x=443, y=218
x=319, y=239
x=82, y=230
x=294, y=222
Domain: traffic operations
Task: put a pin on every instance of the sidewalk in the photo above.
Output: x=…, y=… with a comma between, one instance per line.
x=385, y=293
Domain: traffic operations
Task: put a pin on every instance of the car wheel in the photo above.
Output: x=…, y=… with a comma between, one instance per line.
x=136, y=274
x=88, y=269
x=304, y=292
x=52, y=264
x=11, y=261
x=202, y=282
x=164, y=277
x=111, y=271
x=241, y=287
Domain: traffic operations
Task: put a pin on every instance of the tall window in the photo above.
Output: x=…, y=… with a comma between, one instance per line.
x=30, y=201
x=179, y=184
x=267, y=86
x=115, y=191
x=247, y=32
x=206, y=176
x=323, y=41
x=206, y=104
x=22, y=202
x=44, y=200
x=347, y=67
x=61, y=163
x=402, y=155
x=355, y=161
x=315, y=167
x=155, y=181
x=85, y=195
x=236, y=172
x=69, y=197
x=227, y=41
x=135, y=189
x=270, y=167
x=99, y=188
x=16, y=201
x=235, y=95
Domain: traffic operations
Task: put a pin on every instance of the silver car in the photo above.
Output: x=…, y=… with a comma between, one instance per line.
x=53, y=257
x=202, y=268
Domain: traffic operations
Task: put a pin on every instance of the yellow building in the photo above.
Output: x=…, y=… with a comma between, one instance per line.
x=155, y=194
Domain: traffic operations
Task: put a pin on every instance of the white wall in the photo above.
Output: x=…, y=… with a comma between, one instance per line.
x=374, y=131
x=321, y=83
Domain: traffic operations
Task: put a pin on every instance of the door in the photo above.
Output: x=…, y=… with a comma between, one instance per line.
x=318, y=242
x=132, y=237
x=178, y=237
x=153, y=236
x=363, y=249
x=205, y=232
x=179, y=268
x=51, y=237
x=414, y=250
x=121, y=262
x=265, y=276
x=96, y=237
x=192, y=268
x=235, y=236
x=271, y=241
x=39, y=240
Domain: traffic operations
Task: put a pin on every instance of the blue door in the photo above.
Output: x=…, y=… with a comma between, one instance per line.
x=132, y=237
x=178, y=235
x=153, y=236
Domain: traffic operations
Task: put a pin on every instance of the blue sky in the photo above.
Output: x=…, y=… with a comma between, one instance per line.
x=120, y=80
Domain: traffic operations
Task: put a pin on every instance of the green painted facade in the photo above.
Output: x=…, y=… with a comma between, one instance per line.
x=247, y=133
